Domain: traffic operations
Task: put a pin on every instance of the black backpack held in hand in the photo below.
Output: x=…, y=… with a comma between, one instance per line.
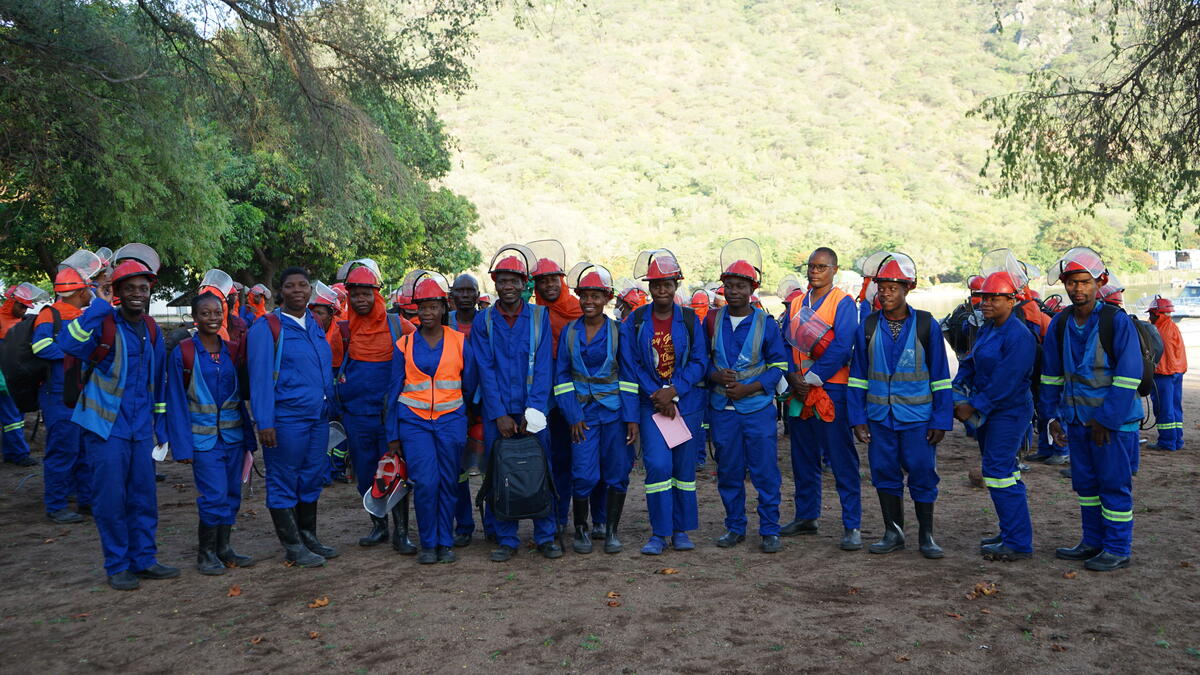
x=517, y=481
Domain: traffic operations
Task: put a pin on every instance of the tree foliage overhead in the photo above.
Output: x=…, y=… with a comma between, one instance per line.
x=1125, y=126
x=232, y=133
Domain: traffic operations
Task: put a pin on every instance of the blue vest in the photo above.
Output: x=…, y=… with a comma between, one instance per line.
x=905, y=393
x=100, y=398
x=603, y=388
x=207, y=418
x=749, y=365
x=1086, y=383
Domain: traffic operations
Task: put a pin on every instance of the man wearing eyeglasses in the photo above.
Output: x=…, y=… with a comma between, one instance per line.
x=818, y=422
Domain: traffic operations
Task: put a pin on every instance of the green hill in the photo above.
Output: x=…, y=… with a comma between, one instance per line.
x=682, y=124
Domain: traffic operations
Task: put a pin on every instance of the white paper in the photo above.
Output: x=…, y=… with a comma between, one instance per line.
x=160, y=452
x=535, y=420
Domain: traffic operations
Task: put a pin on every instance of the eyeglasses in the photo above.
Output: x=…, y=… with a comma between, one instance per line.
x=818, y=268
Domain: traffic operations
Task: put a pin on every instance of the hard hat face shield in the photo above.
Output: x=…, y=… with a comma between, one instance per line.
x=217, y=281
x=361, y=272
x=590, y=276
x=323, y=295
x=1003, y=261
x=549, y=256
x=421, y=285
x=899, y=268
x=513, y=258
x=76, y=271
x=27, y=294
x=1078, y=259
x=742, y=258
x=657, y=265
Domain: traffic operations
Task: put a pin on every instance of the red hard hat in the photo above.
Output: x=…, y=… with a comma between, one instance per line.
x=700, y=298
x=893, y=271
x=1162, y=305
x=511, y=264
x=362, y=276
x=546, y=267
x=998, y=283
x=129, y=268
x=427, y=289
x=743, y=269
x=260, y=289
x=595, y=281
x=68, y=280
x=663, y=268
x=1053, y=303
x=974, y=282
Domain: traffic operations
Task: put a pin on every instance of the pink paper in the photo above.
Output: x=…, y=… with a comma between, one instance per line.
x=674, y=431
x=246, y=466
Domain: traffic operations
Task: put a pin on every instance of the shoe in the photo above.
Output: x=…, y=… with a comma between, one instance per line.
x=680, y=541
x=306, y=522
x=999, y=551
x=1156, y=446
x=124, y=581
x=225, y=552
x=445, y=554
x=22, y=461
x=1058, y=460
x=614, y=506
x=1022, y=466
x=462, y=540
x=289, y=536
x=427, y=556
x=929, y=547
x=83, y=509
x=800, y=526
x=655, y=546
x=583, y=538
x=1081, y=551
x=597, y=530
x=378, y=534
x=160, y=477
x=730, y=539
x=893, y=524
x=1037, y=457
x=550, y=549
x=770, y=543
x=489, y=536
x=1106, y=562
x=503, y=553
x=988, y=541
x=157, y=571
x=851, y=539
x=1065, y=473
x=207, y=562
x=65, y=517
x=400, y=541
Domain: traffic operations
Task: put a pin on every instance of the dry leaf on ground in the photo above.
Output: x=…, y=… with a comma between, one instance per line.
x=954, y=615
x=668, y=570
x=1058, y=647
x=313, y=635
x=901, y=658
x=256, y=640
x=613, y=594
x=234, y=591
x=853, y=591
x=614, y=603
x=319, y=602
x=1070, y=574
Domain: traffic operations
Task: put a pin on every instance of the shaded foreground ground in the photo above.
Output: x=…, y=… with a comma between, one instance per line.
x=811, y=607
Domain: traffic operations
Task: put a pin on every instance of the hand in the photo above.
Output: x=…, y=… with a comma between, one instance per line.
x=631, y=433
x=579, y=432
x=664, y=398
x=1056, y=432
x=862, y=433
x=724, y=377
x=394, y=446
x=104, y=291
x=267, y=437
x=738, y=390
x=798, y=386
x=1100, y=434
x=183, y=461
x=963, y=411
x=934, y=436
x=506, y=426
x=667, y=410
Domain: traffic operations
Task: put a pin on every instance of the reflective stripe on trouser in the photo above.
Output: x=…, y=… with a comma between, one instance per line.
x=670, y=478
x=218, y=474
x=433, y=450
x=1102, y=477
x=999, y=441
x=124, y=501
x=812, y=440
x=338, y=458
x=65, y=469
x=1168, y=411
x=559, y=433
x=746, y=442
x=295, y=468
x=12, y=422
x=602, y=458
x=544, y=529
x=367, y=439
x=892, y=454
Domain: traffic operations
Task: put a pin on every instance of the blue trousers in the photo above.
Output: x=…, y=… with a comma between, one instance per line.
x=599, y=498
x=893, y=453
x=433, y=451
x=999, y=440
x=124, y=501
x=1167, y=399
x=602, y=456
x=65, y=469
x=544, y=529
x=12, y=423
x=560, y=462
x=1101, y=476
x=296, y=466
x=747, y=441
x=670, y=477
x=338, y=459
x=218, y=474
x=368, y=442
x=700, y=440
x=464, y=507
x=813, y=438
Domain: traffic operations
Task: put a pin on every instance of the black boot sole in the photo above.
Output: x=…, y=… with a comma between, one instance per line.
x=876, y=548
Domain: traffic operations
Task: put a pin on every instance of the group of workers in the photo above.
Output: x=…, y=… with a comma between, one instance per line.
x=442, y=376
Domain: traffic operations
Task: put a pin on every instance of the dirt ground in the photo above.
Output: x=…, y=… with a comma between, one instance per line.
x=809, y=608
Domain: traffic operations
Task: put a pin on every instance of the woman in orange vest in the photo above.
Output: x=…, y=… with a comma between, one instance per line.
x=1167, y=396
x=431, y=370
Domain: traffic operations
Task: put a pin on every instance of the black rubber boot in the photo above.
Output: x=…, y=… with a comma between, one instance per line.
x=378, y=534
x=583, y=538
x=800, y=526
x=226, y=553
x=851, y=539
x=929, y=547
x=615, y=505
x=207, y=561
x=289, y=536
x=400, y=541
x=893, y=524
x=306, y=521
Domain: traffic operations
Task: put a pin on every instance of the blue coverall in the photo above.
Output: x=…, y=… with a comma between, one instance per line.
x=361, y=389
x=65, y=468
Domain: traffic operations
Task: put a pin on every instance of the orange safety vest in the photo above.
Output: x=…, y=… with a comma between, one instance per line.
x=432, y=397
x=828, y=313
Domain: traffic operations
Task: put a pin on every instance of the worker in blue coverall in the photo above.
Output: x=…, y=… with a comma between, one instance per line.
x=827, y=366
x=663, y=349
x=515, y=389
x=901, y=404
x=18, y=300
x=291, y=385
x=992, y=391
x=65, y=468
x=1092, y=389
x=121, y=410
x=464, y=295
x=599, y=401
x=432, y=373
x=748, y=360
x=208, y=428
x=360, y=388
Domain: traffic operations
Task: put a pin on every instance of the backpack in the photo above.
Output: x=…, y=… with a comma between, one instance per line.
x=958, y=329
x=187, y=353
x=74, y=377
x=1149, y=342
x=23, y=370
x=517, y=480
